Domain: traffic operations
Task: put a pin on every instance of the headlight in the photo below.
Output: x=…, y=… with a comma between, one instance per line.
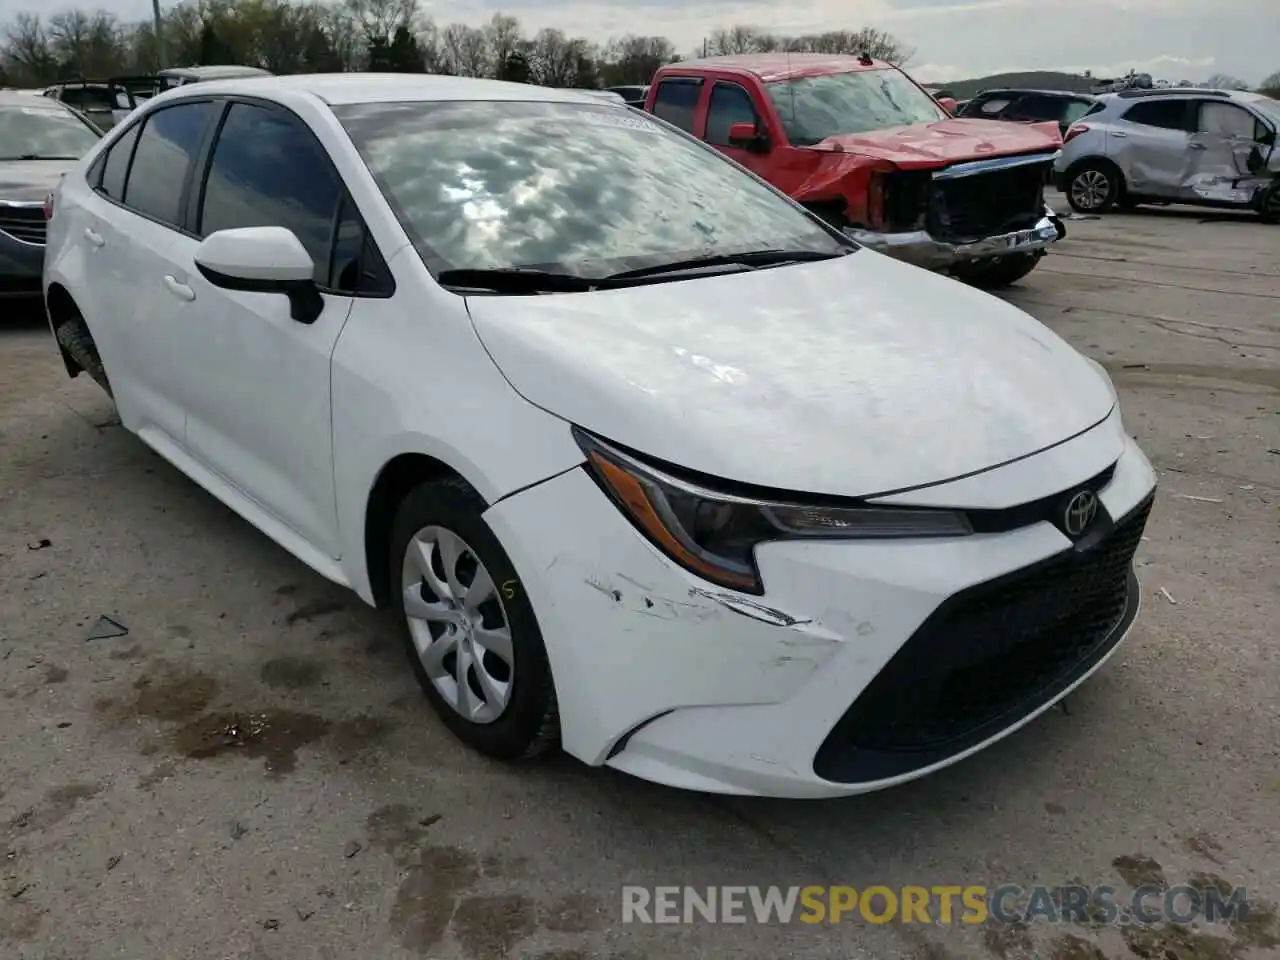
x=714, y=534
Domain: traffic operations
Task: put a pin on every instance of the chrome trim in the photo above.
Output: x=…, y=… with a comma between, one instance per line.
x=25, y=243
x=995, y=163
x=920, y=248
x=23, y=204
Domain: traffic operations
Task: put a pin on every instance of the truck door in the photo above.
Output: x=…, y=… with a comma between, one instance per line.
x=731, y=103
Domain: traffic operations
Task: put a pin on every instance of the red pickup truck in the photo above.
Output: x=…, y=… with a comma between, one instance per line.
x=862, y=145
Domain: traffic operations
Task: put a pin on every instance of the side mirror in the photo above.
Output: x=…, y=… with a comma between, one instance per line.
x=262, y=260
x=949, y=105
x=748, y=136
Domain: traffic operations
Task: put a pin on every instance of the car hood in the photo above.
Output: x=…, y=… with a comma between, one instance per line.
x=947, y=141
x=850, y=377
x=25, y=180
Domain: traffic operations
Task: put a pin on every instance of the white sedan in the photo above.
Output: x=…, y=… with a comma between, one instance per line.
x=650, y=463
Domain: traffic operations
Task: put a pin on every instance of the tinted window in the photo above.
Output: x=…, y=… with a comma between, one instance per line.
x=989, y=108
x=348, y=250
x=166, y=148
x=1038, y=107
x=117, y=165
x=562, y=186
x=268, y=170
x=1170, y=114
x=815, y=108
x=729, y=104
x=1226, y=120
x=676, y=101
x=1076, y=109
x=43, y=131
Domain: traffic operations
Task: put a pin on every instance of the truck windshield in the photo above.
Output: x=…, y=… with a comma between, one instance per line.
x=815, y=108
x=574, y=188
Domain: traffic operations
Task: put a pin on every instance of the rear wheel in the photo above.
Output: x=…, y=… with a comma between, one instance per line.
x=1269, y=206
x=1093, y=186
x=996, y=272
x=470, y=632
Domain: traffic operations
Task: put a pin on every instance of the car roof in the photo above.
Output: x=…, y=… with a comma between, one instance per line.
x=1018, y=91
x=350, y=88
x=781, y=66
x=217, y=72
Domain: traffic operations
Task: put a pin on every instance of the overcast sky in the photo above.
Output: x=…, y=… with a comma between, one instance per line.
x=954, y=39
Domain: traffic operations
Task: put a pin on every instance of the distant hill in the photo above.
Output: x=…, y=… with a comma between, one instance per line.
x=1033, y=79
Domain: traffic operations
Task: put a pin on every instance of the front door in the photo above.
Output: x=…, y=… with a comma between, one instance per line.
x=1225, y=149
x=258, y=397
x=730, y=104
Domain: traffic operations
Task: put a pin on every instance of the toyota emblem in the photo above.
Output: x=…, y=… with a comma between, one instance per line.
x=1081, y=509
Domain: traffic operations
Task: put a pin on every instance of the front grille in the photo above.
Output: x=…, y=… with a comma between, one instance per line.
x=984, y=204
x=987, y=657
x=23, y=223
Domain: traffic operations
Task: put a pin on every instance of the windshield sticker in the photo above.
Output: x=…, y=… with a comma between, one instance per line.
x=618, y=119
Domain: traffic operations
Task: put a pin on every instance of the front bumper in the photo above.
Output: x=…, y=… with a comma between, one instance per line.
x=21, y=265
x=663, y=676
x=920, y=248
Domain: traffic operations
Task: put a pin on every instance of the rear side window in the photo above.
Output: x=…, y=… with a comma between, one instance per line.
x=1038, y=107
x=730, y=104
x=1076, y=109
x=166, y=149
x=116, y=168
x=676, y=102
x=268, y=170
x=1167, y=114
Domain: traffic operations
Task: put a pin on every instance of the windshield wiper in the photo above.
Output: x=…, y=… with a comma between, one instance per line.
x=514, y=280
x=750, y=261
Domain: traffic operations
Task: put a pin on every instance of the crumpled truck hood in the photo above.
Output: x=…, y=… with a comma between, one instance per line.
x=849, y=377
x=947, y=141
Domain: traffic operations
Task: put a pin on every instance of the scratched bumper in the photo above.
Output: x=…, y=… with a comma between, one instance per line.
x=664, y=677
x=919, y=247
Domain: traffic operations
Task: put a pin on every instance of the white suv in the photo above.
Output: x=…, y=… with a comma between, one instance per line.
x=646, y=459
x=1213, y=148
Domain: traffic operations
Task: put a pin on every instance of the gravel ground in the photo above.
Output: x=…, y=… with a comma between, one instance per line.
x=353, y=826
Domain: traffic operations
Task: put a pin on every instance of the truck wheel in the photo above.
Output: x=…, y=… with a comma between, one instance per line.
x=1093, y=186
x=996, y=272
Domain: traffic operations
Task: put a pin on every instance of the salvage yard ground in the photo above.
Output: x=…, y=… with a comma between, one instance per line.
x=348, y=824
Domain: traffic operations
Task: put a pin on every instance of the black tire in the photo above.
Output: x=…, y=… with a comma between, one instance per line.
x=1269, y=204
x=997, y=272
x=74, y=337
x=529, y=725
x=1086, y=178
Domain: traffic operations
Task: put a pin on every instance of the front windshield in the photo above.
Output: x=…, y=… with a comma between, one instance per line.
x=575, y=188
x=815, y=108
x=1268, y=108
x=41, y=133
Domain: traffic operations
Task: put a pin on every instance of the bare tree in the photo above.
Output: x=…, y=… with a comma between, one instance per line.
x=27, y=49
x=553, y=58
x=1271, y=85
x=378, y=19
x=633, y=59
x=1224, y=81
x=502, y=34
x=878, y=44
x=464, y=51
x=740, y=39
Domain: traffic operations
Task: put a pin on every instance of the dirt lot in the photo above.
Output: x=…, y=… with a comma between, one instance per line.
x=352, y=826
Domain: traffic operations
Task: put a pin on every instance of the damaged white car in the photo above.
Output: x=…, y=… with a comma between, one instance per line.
x=648, y=461
x=1209, y=148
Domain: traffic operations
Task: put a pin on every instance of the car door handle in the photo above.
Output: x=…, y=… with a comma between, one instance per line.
x=1117, y=133
x=1196, y=146
x=179, y=290
x=96, y=239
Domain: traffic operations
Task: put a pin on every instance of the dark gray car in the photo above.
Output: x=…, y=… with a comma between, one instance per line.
x=40, y=139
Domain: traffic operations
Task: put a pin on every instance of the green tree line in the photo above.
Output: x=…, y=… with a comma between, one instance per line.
x=380, y=35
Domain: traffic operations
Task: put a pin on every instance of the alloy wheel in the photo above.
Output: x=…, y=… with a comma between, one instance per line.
x=1090, y=189
x=458, y=623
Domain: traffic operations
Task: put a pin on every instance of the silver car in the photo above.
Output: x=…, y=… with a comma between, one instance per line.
x=1212, y=148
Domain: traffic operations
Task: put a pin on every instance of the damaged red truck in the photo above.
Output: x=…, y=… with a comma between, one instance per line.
x=863, y=146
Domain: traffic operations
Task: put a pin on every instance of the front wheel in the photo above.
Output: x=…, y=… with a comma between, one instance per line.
x=996, y=272
x=470, y=631
x=1093, y=187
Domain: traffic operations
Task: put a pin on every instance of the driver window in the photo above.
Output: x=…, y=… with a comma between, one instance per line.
x=729, y=104
x=1226, y=120
x=268, y=170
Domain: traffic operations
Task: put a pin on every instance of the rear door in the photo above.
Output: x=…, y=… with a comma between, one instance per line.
x=676, y=101
x=1150, y=144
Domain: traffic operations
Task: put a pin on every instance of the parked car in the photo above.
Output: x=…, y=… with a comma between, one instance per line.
x=860, y=143
x=1030, y=106
x=104, y=102
x=1211, y=148
x=633, y=94
x=646, y=459
x=40, y=140
x=179, y=76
